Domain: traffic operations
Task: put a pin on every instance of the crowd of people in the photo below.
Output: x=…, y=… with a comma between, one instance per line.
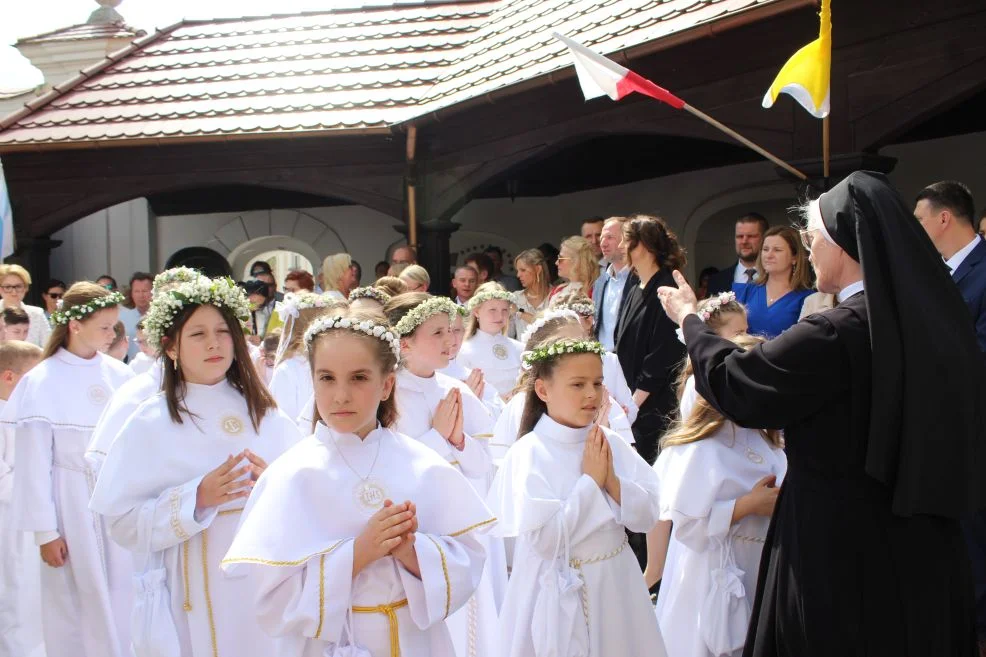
x=586, y=459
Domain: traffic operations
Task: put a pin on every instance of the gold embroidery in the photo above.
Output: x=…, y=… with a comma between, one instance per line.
x=471, y=527
x=453, y=463
x=229, y=512
x=188, y=592
x=232, y=425
x=391, y=612
x=205, y=587
x=176, y=527
x=297, y=562
x=448, y=583
x=482, y=435
x=321, y=596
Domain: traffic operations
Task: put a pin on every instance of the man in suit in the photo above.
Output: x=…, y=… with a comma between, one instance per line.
x=750, y=229
x=611, y=288
x=946, y=211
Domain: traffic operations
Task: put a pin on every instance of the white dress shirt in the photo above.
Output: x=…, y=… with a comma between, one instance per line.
x=956, y=260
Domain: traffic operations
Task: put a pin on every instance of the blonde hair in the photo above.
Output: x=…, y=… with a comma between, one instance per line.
x=718, y=317
x=472, y=325
x=416, y=274
x=801, y=271
x=542, y=279
x=16, y=270
x=704, y=421
x=585, y=266
x=79, y=294
x=333, y=267
x=18, y=356
x=391, y=285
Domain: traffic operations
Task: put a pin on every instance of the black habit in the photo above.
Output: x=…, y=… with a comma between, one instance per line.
x=650, y=354
x=864, y=555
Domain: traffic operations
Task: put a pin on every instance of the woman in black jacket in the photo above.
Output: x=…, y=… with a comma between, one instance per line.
x=646, y=342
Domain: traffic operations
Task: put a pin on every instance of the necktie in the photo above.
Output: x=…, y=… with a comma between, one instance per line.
x=750, y=273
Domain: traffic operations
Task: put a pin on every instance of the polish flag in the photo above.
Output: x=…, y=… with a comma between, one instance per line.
x=600, y=76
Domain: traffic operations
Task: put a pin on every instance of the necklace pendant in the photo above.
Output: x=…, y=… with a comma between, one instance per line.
x=753, y=455
x=370, y=495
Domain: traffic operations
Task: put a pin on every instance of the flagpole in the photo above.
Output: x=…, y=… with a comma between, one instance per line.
x=826, y=152
x=746, y=142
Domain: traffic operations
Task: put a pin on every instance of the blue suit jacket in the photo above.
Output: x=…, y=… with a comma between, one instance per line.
x=970, y=277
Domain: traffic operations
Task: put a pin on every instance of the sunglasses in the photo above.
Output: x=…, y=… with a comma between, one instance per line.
x=54, y=295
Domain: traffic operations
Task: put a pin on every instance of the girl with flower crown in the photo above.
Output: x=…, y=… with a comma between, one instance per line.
x=175, y=479
x=568, y=490
x=472, y=378
x=377, y=574
x=719, y=484
x=291, y=385
x=443, y=413
x=85, y=579
x=486, y=346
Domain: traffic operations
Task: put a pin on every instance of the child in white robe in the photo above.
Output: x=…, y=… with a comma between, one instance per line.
x=553, y=324
x=486, y=346
x=85, y=578
x=20, y=606
x=472, y=378
x=375, y=570
x=569, y=490
x=175, y=477
x=444, y=414
x=145, y=358
x=291, y=384
x=719, y=484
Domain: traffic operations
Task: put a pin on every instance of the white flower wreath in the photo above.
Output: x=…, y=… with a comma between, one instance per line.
x=167, y=304
x=560, y=348
x=370, y=292
x=366, y=326
x=480, y=298
x=420, y=313
x=715, y=304
x=176, y=275
x=583, y=308
x=62, y=317
x=539, y=323
x=295, y=302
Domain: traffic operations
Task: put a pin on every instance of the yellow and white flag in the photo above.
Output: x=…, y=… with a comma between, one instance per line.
x=805, y=76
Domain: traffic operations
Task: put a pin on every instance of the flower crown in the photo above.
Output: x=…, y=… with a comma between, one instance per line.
x=714, y=304
x=370, y=292
x=420, y=314
x=560, y=348
x=295, y=302
x=176, y=275
x=488, y=295
x=366, y=326
x=540, y=322
x=167, y=304
x=585, y=307
x=62, y=317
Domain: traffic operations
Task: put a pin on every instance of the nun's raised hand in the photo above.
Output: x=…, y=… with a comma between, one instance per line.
x=678, y=302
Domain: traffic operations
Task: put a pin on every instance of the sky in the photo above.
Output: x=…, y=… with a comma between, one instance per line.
x=24, y=18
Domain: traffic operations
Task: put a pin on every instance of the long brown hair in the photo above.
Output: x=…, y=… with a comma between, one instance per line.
x=654, y=234
x=79, y=294
x=703, y=421
x=241, y=373
x=550, y=328
x=387, y=410
x=801, y=271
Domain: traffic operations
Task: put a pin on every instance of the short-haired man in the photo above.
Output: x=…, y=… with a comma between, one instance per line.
x=17, y=324
x=261, y=271
x=612, y=287
x=748, y=236
x=482, y=264
x=510, y=283
x=946, y=212
x=592, y=228
x=140, y=292
x=108, y=282
x=465, y=282
x=403, y=255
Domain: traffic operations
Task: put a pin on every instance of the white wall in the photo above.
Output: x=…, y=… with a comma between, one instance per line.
x=700, y=206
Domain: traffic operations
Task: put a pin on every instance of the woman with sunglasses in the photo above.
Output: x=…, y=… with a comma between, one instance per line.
x=54, y=291
x=14, y=284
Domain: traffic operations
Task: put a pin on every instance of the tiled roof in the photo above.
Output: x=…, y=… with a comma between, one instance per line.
x=340, y=70
x=85, y=31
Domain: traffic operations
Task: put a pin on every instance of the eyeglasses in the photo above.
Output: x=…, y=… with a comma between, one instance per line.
x=560, y=258
x=12, y=288
x=807, y=237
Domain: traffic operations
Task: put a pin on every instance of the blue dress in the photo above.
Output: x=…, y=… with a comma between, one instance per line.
x=774, y=320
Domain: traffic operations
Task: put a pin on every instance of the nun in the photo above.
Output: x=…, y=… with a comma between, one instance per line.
x=881, y=403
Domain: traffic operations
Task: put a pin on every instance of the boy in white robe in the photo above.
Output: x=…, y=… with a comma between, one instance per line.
x=20, y=606
x=377, y=574
x=85, y=579
x=568, y=490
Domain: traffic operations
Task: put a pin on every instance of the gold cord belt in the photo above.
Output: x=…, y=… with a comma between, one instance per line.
x=578, y=563
x=391, y=612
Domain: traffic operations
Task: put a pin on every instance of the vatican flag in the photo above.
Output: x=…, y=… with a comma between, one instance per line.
x=806, y=75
